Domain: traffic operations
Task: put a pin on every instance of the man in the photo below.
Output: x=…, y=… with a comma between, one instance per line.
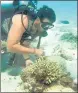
x=22, y=32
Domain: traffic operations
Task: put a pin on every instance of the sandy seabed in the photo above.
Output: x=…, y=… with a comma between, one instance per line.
x=11, y=83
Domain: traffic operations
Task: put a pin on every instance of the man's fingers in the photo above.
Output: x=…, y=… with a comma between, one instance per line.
x=43, y=54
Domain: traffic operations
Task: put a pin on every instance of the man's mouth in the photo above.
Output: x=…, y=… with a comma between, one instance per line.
x=44, y=33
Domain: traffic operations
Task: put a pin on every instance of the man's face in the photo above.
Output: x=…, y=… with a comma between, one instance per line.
x=41, y=26
x=45, y=24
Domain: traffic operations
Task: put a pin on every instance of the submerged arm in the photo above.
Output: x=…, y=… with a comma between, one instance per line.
x=15, y=34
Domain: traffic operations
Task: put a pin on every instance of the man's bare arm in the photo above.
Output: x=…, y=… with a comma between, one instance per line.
x=15, y=34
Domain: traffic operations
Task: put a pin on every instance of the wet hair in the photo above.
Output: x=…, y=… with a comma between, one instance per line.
x=46, y=12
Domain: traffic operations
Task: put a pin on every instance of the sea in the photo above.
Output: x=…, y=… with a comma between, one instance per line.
x=66, y=23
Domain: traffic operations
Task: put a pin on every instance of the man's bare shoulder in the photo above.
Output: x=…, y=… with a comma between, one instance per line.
x=18, y=19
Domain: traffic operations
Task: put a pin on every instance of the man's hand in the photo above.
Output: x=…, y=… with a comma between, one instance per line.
x=39, y=52
x=29, y=62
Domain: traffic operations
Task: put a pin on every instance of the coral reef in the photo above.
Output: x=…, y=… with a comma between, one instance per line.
x=27, y=72
x=58, y=88
x=42, y=73
x=29, y=82
x=46, y=71
x=66, y=80
x=43, y=70
x=60, y=61
x=69, y=37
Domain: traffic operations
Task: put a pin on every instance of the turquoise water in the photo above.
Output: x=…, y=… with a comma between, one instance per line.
x=65, y=10
x=4, y=61
x=11, y=70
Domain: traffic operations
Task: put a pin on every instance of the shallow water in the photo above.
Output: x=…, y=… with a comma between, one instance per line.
x=51, y=44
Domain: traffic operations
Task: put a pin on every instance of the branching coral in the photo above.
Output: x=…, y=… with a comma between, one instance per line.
x=29, y=82
x=42, y=73
x=27, y=72
x=46, y=71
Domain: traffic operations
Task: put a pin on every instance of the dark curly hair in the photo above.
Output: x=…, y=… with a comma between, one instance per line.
x=46, y=12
